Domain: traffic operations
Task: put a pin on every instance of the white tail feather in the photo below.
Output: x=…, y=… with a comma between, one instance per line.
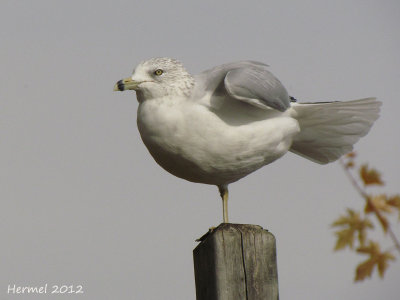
x=330, y=129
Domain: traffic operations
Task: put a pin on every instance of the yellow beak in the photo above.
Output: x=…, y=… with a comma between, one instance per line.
x=126, y=84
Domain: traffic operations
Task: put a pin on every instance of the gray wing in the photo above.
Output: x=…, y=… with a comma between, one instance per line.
x=246, y=81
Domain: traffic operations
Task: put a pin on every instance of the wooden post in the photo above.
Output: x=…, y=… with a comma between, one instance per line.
x=236, y=262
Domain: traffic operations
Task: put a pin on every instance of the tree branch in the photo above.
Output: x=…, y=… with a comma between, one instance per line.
x=367, y=198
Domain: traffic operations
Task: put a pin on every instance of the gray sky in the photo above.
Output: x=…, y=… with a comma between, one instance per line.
x=82, y=201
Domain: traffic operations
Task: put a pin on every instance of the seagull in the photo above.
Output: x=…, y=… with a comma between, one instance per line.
x=227, y=122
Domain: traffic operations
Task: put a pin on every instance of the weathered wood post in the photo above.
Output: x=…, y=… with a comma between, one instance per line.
x=236, y=262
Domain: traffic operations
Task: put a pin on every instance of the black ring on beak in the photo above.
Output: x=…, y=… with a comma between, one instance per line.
x=120, y=85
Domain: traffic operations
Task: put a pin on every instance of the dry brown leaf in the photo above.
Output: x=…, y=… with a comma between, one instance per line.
x=364, y=270
x=376, y=258
x=380, y=202
x=383, y=262
x=345, y=238
x=353, y=224
x=394, y=201
x=351, y=154
x=370, y=176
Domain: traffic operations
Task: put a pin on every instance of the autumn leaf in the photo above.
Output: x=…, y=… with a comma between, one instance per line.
x=345, y=238
x=348, y=162
x=379, y=202
x=351, y=154
x=394, y=201
x=370, y=176
x=353, y=224
x=364, y=270
x=376, y=258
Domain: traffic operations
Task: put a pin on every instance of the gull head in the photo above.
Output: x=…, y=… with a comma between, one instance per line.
x=158, y=77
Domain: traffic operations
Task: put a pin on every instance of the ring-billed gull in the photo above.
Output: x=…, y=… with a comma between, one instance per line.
x=231, y=120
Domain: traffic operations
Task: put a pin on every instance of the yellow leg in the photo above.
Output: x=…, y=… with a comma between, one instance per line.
x=223, y=190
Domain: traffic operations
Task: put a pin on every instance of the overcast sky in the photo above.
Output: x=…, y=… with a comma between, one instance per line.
x=82, y=201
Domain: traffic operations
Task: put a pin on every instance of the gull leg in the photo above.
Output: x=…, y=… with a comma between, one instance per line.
x=223, y=190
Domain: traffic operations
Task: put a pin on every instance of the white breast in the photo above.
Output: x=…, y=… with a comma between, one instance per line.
x=193, y=143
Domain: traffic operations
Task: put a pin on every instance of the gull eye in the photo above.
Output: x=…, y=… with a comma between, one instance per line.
x=158, y=72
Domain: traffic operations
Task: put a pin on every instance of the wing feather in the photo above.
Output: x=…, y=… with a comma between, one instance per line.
x=245, y=81
x=258, y=87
